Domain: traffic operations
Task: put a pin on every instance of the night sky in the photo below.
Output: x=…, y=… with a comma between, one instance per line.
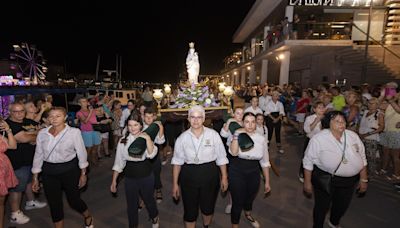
x=151, y=36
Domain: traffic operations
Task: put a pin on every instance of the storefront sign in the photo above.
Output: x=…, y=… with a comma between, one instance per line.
x=330, y=2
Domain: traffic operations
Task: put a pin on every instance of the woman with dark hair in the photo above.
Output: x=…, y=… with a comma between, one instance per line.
x=62, y=159
x=138, y=169
x=338, y=154
x=244, y=172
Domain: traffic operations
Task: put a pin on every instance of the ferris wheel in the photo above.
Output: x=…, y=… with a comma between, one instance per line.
x=29, y=63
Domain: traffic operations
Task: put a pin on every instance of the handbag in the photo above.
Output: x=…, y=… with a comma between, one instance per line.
x=323, y=180
x=102, y=128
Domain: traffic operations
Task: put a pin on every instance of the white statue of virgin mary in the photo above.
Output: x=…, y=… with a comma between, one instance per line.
x=192, y=64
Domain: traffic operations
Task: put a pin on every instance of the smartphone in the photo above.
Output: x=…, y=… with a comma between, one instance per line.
x=390, y=92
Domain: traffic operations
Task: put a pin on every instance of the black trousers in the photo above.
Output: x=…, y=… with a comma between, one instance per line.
x=199, y=187
x=244, y=182
x=54, y=185
x=157, y=170
x=145, y=187
x=338, y=201
x=274, y=127
x=301, y=169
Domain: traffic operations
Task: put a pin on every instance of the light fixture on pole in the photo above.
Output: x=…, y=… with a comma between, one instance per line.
x=157, y=95
x=228, y=92
x=167, y=90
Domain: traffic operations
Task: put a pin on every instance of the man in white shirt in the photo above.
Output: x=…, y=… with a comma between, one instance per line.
x=264, y=99
x=199, y=155
x=126, y=112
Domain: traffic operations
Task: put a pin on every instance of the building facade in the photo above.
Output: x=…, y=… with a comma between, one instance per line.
x=313, y=42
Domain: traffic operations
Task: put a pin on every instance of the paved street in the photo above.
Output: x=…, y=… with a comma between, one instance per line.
x=286, y=207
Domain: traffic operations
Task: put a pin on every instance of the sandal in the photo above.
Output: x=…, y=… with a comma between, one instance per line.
x=90, y=225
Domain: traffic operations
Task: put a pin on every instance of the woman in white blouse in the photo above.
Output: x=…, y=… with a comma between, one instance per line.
x=244, y=172
x=138, y=170
x=312, y=125
x=339, y=153
x=62, y=159
x=371, y=124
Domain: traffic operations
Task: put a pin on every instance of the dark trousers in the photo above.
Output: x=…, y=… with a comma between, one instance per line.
x=157, y=171
x=244, y=182
x=274, y=127
x=338, y=201
x=145, y=187
x=301, y=169
x=54, y=185
x=199, y=188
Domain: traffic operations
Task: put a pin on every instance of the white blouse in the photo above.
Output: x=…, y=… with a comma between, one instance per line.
x=325, y=152
x=307, y=126
x=62, y=148
x=208, y=147
x=254, y=111
x=122, y=155
x=274, y=107
x=369, y=124
x=258, y=152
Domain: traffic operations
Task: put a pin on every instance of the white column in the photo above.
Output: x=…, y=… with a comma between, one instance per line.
x=264, y=71
x=243, y=77
x=252, y=76
x=289, y=13
x=265, y=41
x=285, y=64
x=253, y=47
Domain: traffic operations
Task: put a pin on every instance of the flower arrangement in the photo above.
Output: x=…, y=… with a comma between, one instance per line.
x=194, y=95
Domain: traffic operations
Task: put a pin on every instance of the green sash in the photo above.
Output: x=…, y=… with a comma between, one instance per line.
x=138, y=147
x=244, y=140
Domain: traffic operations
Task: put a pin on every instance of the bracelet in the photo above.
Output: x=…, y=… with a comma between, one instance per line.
x=364, y=180
x=235, y=137
x=9, y=130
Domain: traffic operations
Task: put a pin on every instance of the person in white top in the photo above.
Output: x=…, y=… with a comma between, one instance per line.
x=275, y=113
x=312, y=125
x=138, y=170
x=340, y=154
x=244, y=172
x=126, y=112
x=198, y=153
x=62, y=159
x=225, y=133
x=264, y=99
x=150, y=115
x=371, y=124
x=254, y=107
x=261, y=128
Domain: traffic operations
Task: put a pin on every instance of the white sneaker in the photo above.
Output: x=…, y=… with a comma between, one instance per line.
x=228, y=209
x=333, y=226
x=19, y=218
x=34, y=204
x=254, y=223
x=155, y=223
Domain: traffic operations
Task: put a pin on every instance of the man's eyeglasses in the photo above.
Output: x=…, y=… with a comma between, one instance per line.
x=18, y=111
x=196, y=117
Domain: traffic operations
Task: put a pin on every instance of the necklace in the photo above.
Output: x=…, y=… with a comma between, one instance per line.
x=197, y=149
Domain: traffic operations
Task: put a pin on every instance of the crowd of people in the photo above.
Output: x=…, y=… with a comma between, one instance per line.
x=351, y=137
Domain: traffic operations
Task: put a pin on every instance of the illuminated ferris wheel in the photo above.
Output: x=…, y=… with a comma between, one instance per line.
x=29, y=63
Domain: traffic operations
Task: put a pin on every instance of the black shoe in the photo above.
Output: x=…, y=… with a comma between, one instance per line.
x=397, y=185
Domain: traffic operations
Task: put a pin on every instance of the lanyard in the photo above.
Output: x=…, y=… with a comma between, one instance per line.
x=344, y=159
x=197, y=149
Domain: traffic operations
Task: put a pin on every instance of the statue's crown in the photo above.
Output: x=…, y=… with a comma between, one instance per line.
x=191, y=45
